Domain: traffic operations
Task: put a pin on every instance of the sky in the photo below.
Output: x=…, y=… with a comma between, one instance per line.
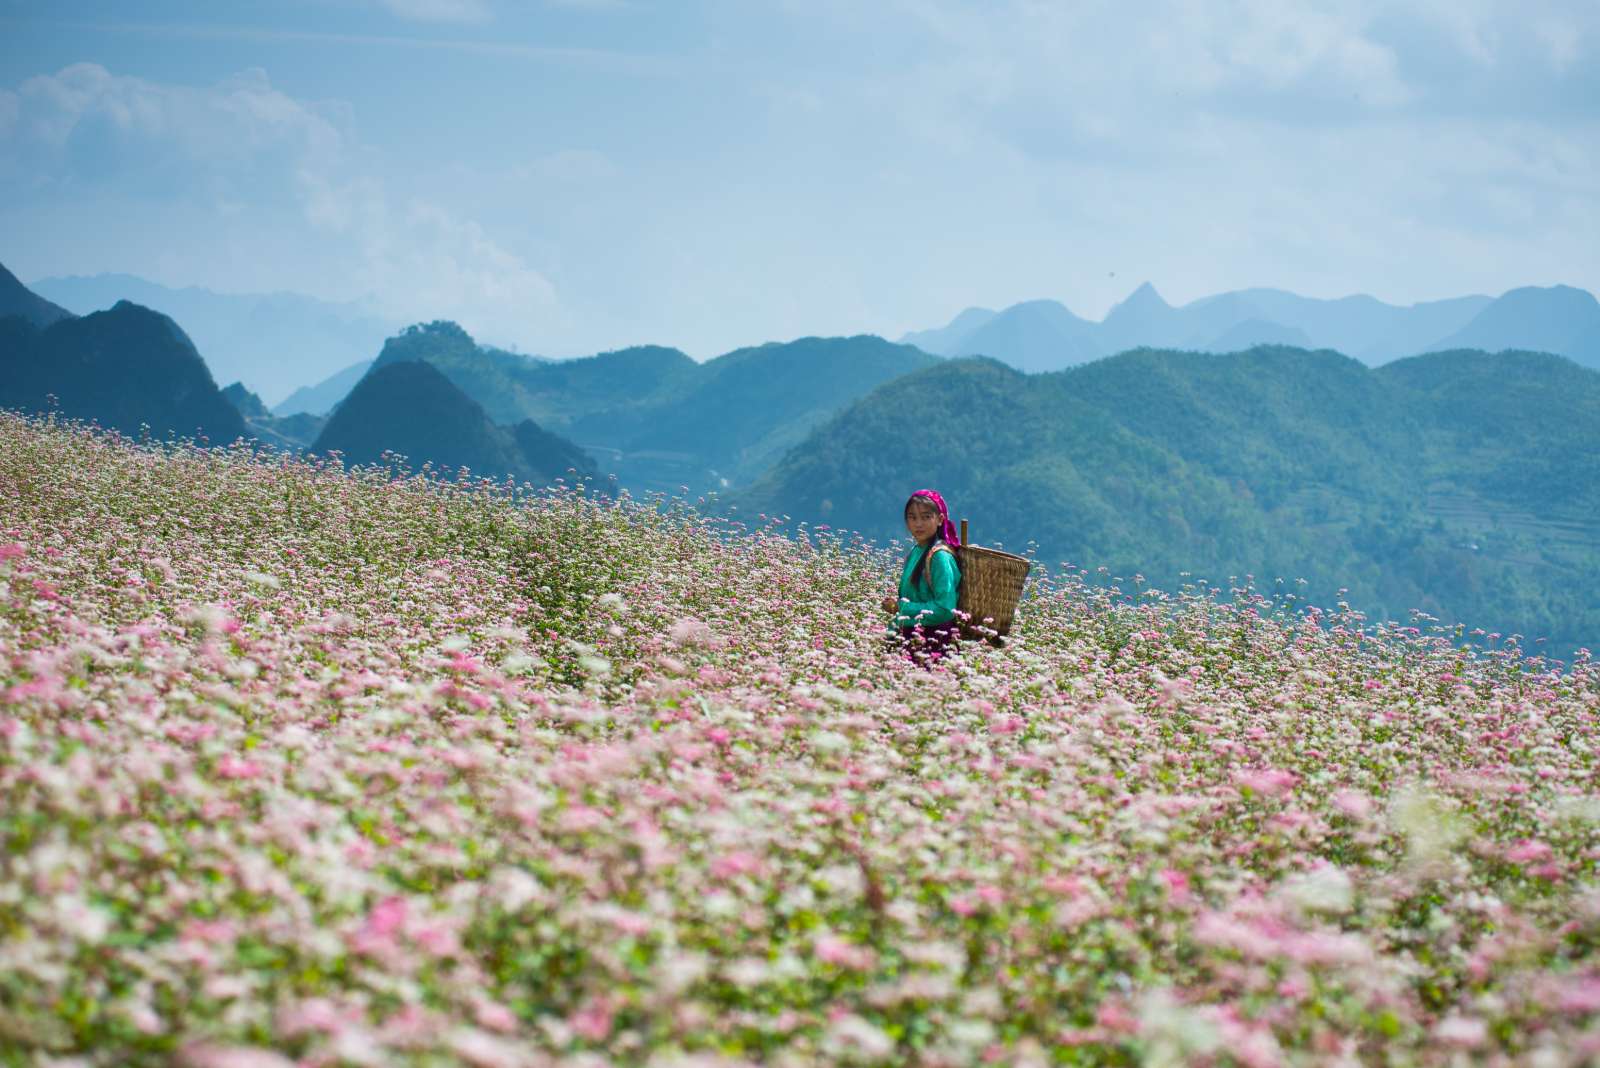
x=571, y=176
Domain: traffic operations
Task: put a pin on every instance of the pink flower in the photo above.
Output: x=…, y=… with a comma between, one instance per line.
x=592, y=1021
x=208, y=931
x=732, y=864
x=836, y=951
x=1580, y=995
x=1177, y=884
x=1268, y=782
x=209, y=1056
x=495, y=1016
x=1353, y=803
x=386, y=918
x=1529, y=851
x=232, y=767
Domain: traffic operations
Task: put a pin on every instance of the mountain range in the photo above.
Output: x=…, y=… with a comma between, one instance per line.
x=657, y=419
x=1044, y=335
x=273, y=342
x=1464, y=484
x=1459, y=482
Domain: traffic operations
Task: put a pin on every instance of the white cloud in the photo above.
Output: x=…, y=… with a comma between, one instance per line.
x=85, y=124
x=420, y=261
x=244, y=159
x=440, y=10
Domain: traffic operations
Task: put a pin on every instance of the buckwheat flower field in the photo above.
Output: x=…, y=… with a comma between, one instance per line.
x=301, y=766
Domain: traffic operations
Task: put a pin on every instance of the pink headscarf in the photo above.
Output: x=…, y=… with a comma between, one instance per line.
x=933, y=498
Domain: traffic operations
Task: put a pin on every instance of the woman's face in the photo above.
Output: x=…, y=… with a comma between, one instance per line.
x=922, y=520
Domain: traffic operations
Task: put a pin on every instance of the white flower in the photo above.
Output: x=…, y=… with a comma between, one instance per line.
x=1325, y=888
x=853, y=1038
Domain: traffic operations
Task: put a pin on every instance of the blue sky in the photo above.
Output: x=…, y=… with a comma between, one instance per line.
x=574, y=175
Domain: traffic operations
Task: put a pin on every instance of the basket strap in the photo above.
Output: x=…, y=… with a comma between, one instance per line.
x=941, y=547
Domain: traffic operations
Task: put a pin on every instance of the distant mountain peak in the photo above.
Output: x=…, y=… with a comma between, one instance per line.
x=1141, y=304
x=1145, y=296
x=1562, y=295
x=248, y=404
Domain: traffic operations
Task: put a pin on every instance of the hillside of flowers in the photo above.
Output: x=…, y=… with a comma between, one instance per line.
x=301, y=766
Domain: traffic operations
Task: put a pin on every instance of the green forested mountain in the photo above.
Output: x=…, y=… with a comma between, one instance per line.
x=128, y=368
x=739, y=413
x=656, y=417
x=1463, y=484
x=410, y=408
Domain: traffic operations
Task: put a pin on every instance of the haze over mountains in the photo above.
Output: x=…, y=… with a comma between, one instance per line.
x=1462, y=482
x=273, y=342
x=1044, y=335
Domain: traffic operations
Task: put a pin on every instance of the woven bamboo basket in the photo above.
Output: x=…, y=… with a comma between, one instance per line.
x=991, y=586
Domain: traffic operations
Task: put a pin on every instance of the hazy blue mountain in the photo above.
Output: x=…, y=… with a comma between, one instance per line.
x=949, y=340
x=410, y=408
x=127, y=369
x=18, y=299
x=1558, y=319
x=297, y=431
x=1144, y=319
x=273, y=342
x=321, y=398
x=1036, y=335
x=1043, y=336
x=1463, y=484
x=1363, y=326
x=293, y=433
x=247, y=403
x=1252, y=332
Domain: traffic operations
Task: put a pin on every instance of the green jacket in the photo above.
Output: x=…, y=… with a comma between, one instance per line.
x=931, y=602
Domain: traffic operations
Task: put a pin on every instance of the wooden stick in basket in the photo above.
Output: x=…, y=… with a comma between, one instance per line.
x=963, y=532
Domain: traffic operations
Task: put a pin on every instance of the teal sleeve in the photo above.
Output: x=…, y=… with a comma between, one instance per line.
x=944, y=576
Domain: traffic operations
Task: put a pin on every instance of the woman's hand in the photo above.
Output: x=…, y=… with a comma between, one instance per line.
x=891, y=604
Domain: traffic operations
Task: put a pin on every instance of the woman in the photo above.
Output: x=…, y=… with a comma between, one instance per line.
x=925, y=611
